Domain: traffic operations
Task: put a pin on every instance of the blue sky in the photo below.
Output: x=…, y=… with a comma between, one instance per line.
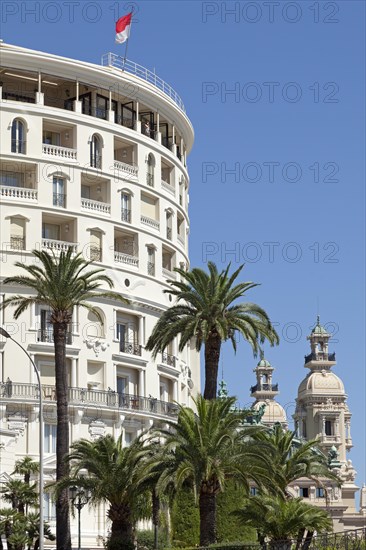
x=291, y=133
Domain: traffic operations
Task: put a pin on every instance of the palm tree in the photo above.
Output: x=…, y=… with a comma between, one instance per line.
x=282, y=520
x=61, y=283
x=205, y=449
x=19, y=494
x=26, y=466
x=112, y=477
x=208, y=315
x=294, y=458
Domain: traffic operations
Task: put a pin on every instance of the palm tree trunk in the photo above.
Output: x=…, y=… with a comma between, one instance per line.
x=212, y=358
x=63, y=537
x=308, y=539
x=207, y=504
x=155, y=517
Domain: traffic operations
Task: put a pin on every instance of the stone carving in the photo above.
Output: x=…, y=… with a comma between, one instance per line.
x=96, y=345
x=17, y=423
x=96, y=429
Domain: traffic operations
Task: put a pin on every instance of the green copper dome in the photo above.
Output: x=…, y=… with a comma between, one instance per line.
x=264, y=363
x=318, y=329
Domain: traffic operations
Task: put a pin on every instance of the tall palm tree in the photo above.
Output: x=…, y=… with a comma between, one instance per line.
x=282, y=520
x=205, y=449
x=294, y=458
x=205, y=311
x=61, y=283
x=112, y=474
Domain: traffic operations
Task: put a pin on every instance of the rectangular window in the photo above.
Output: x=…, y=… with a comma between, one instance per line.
x=328, y=427
x=59, y=192
x=128, y=439
x=51, y=231
x=51, y=138
x=49, y=507
x=50, y=431
x=320, y=492
x=253, y=491
x=12, y=179
x=304, y=492
x=85, y=192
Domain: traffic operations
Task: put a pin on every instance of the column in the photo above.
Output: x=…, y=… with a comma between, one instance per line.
x=173, y=147
x=77, y=103
x=336, y=429
x=39, y=94
x=175, y=391
x=158, y=133
x=110, y=112
x=323, y=426
x=142, y=383
x=138, y=123
x=175, y=348
x=73, y=373
x=141, y=331
x=300, y=427
x=114, y=327
x=32, y=374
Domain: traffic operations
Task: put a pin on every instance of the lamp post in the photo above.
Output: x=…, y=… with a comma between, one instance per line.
x=79, y=497
x=4, y=333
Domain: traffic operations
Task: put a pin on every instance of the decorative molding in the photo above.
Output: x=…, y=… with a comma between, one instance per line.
x=97, y=429
x=96, y=344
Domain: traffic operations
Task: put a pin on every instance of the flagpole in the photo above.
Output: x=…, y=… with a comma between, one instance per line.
x=125, y=57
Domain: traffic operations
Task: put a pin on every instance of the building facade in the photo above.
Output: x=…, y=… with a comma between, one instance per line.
x=93, y=158
x=321, y=413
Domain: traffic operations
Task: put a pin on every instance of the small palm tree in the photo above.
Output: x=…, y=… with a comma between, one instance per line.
x=19, y=494
x=205, y=449
x=206, y=312
x=294, y=458
x=26, y=466
x=61, y=283
x=112, y=477
x=282, y=520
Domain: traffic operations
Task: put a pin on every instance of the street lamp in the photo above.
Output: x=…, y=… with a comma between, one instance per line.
x=4, y=333
x=79, y=497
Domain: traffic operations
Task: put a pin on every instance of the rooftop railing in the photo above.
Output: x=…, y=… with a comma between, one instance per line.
x=118, y=62
x=320, y=356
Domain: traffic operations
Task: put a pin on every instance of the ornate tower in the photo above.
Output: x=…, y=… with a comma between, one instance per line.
x=321, y=410
x=265, y=392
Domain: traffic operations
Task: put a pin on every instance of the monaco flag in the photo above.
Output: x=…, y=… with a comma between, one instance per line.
x=123, y=27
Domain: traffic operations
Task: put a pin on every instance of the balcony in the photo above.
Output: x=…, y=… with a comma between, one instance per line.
x=150, y=222
x=130, y=347
x=320, y=356
x=95, y=253
x=126, y=215
x=18, y=193
x=58, y=151
x=122, y=257
x=128, y=171
x=168, y=359
x=58, y=246
x=165, y=185
x=150, y=180
x=180, y=239
x=167, y=274
x=95, y=206
x=17, y=242
x=264, y=387
x=28, y=393
x=59, y=199
x=46, y=335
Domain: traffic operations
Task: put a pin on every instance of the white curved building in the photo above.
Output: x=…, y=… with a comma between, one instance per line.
x=92, y=158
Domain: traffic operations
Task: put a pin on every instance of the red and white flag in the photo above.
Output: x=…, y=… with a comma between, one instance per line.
x=123, y=27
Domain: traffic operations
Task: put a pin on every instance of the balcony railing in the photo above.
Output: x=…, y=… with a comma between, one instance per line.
x=129, y=170
x=18, y=193
x=168, y=274
x=165, y=185
x=95, y=206
x=264, y=387
x=46, y=335
x=150, y=222
x=18, y=146
x=58, y=151
x=59, y=199
x=168, y=359
x=126, y=215
x=113, y=60
x=24, y=393
x=122, y=257
x=59, y=246
x=130, y=347
x=95, y=253
x=150, y=180
x=17, y=243
x=320, y=356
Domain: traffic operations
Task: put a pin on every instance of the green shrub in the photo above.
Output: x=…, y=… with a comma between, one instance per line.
x=185, y=520
x=145, y=540
x=229, y=527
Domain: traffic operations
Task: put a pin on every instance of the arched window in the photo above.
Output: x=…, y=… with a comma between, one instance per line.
x=150, y=170
x=18, y=141
x=96, y=152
